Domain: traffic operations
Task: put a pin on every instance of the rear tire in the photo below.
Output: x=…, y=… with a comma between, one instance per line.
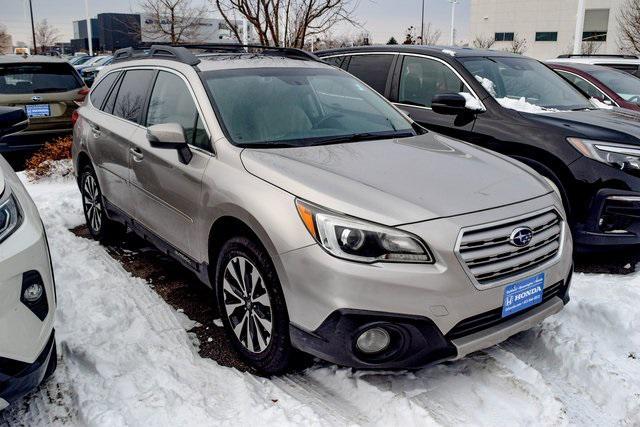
x=100, y=226
x=252, y=306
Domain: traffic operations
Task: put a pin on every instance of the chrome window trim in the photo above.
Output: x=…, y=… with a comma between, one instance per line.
x=189, y=87
x=591, y=84
x=520, y=276
x=419, y=55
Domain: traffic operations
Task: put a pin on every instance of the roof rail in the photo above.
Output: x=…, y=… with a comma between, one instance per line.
x=175, y=53
x=288, y=52
x=595, y=55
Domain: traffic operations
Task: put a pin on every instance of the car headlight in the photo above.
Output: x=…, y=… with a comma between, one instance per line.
x=620, y=156
x=357, y=240
x=10, y=215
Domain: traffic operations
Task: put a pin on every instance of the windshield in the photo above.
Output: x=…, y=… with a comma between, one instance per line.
x=300, y=106
x=525, y=84
x=38, y=78
x=624, y=84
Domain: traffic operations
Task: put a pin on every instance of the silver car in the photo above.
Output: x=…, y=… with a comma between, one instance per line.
x=323, y=217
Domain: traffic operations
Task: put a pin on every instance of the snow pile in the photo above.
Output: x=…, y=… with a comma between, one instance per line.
x=472, y=103
x=487, y=84
x=129, y=361
x=600, y=104
x=449, y=52
x=522, y=105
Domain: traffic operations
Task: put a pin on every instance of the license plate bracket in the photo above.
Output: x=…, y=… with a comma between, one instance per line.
x=522, y=294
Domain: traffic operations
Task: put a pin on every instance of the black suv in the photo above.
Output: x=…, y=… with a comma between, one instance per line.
x=519, y=107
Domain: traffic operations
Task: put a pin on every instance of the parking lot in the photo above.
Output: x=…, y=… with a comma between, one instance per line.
x=140, y=345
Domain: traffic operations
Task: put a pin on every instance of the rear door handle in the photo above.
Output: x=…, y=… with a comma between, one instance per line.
x=95, y=129
x=136, y=153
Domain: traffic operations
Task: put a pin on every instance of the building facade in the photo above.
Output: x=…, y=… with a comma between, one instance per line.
x=548, y=26
x=111, y=31
x=208, y=30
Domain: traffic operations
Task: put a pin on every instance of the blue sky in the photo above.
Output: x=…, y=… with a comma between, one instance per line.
x=382, y=18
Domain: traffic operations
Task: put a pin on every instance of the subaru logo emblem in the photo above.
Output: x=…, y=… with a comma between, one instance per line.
x=36, y=98
x=521, y=236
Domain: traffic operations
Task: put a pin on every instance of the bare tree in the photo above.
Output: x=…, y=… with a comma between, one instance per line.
x=46, y=35
x=518, y=45
x=5, y=39
x=591, y=47
x=410, y=36
x=287, y=22
x=175, y=21
x=483, y=42
x=431, y=35
x=629, y=23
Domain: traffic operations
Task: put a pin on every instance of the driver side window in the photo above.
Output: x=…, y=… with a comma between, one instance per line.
x=171, y=102
x=422, y=78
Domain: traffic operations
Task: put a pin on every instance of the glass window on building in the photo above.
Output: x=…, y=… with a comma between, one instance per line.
x=547, y=36
x=596, y=25
x=504, y=37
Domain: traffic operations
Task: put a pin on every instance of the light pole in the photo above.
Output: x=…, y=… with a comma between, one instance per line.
x=453, y=20
x=422, y=25
x=577, y=37
x=33, y=30
x=89, y=32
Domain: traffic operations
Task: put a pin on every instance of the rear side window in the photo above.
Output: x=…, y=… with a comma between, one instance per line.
x=100, y=91
x=372, y=69
x=132, y=94
x=336, y=61
x=171, y=102
x=38, y=78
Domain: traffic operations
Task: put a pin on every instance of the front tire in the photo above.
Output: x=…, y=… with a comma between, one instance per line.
x=252, y=306
x=100, y=226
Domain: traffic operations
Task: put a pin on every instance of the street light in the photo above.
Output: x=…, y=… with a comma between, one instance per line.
x=422, y=25
x=453, y=18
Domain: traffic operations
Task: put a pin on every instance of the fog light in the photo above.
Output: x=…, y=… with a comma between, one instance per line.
x=33, y=292
x=373, y=340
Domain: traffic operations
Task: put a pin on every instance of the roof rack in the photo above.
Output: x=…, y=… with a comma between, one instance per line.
x=585, y=55
x=182, y=53
x=175, y=53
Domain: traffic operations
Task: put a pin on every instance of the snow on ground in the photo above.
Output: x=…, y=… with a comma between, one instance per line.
x=127, y=360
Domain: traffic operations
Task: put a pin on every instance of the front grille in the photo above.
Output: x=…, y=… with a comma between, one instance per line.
x=494, y=317
x=490, y=257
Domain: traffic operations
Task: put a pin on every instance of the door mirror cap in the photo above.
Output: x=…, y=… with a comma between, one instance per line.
x=170, y=135
x=12, y=120
x=450, y=104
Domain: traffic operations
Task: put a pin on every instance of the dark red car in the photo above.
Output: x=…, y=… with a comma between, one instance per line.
x=608, y=85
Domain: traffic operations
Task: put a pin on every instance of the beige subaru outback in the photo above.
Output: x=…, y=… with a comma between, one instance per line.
x=325, y=220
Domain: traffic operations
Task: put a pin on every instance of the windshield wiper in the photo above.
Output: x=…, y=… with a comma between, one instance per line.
x=357, y=137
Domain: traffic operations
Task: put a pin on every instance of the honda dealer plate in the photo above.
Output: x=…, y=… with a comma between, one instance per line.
x=522, y=295
x=38, y=110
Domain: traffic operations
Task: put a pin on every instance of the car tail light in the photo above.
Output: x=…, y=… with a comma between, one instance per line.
x=82, y=94
x=74, y=117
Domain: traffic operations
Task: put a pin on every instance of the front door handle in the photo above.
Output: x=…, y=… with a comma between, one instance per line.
x=136, y=153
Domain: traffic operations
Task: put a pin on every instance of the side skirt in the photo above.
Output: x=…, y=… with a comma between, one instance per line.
x=199, y=269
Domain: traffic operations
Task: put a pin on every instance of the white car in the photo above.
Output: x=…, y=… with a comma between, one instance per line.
x=27, y=291
x=627, y=63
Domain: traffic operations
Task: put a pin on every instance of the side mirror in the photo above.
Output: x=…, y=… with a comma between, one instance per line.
x=12, y=120
x=449, y=103
x=171, y=136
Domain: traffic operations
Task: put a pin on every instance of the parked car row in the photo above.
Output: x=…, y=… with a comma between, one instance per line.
x=377, y=207
x=519, y=107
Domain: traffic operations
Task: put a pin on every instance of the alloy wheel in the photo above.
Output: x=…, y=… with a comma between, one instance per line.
x=92, y=203
x=247, y=304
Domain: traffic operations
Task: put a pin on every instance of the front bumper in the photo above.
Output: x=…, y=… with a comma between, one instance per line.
x=19, y=378
x=429, y=302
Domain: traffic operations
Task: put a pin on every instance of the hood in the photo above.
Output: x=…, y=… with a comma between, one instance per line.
x=396, y=182
x=614, y=125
